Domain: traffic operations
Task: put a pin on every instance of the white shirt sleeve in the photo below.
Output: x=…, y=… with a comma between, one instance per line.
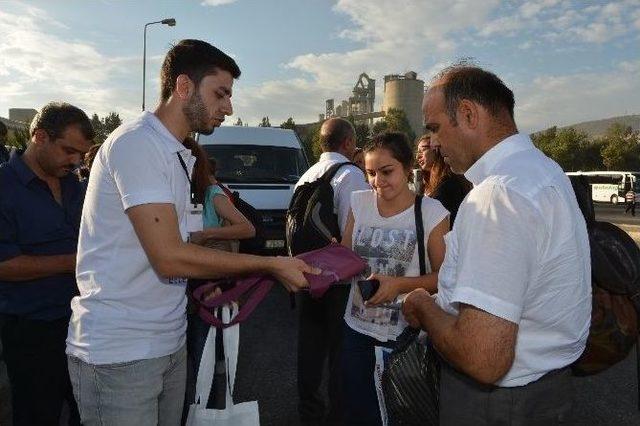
x=349, y=181
x=497, y=250
x=139, y=171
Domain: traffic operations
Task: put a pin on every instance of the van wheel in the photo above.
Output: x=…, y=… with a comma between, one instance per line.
x=614, y=199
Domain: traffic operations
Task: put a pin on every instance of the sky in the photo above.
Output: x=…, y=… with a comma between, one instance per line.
x=566, y=61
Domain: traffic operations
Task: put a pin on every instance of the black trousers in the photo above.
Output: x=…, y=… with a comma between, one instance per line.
x=34, y=352
x=547, y=401
x=320, y=337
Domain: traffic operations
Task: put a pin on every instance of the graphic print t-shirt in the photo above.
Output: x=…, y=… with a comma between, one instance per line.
x=389, y=246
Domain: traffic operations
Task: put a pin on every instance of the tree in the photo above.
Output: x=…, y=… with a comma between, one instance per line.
x=311, y=143
x=96, y=123
x=571, y=149
x=363, y=132
x=289, y=124
x=265, y=122
x=395, y=120
x=103, y=127
x=620, y=148
x=19, y=138
x=238, y=122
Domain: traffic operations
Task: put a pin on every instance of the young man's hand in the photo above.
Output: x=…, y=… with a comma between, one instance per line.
x=289, y=271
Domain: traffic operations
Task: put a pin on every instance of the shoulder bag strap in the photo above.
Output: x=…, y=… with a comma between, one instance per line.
x=420, y=234
x=331, y=171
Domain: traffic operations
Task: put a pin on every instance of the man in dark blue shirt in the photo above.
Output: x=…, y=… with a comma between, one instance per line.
x=4, y=152
x=40, y=209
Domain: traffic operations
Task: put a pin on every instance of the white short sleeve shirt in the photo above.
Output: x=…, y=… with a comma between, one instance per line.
x=125, y=310
x=519, y=250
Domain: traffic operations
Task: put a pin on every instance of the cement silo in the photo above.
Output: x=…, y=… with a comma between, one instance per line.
x=405, y=92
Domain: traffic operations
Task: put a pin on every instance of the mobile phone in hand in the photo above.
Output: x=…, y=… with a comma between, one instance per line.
x=368, y=288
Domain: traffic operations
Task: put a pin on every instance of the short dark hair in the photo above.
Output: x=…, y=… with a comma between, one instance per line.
x=55, y=117
x=464, y=81
x=337, y=130
x=3, y=131
x=196, y=59
x=397, y=143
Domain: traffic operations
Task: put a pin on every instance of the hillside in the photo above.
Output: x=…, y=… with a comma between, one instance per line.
x=597, y=128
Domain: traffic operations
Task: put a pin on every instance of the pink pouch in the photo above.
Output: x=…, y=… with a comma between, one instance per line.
x=337, y=263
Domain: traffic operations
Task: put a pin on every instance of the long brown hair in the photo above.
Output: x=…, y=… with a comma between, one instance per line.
x=202, y=170
x=438, y=172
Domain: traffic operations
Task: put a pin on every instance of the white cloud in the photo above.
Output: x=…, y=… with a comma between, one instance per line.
x=41, y=67
x=396, y=37
x=216, y=2
x=551, y=100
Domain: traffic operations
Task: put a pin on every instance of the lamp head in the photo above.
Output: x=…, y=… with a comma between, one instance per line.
x=169, y=21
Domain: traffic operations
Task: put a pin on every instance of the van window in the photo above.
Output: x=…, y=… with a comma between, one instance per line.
x=257, y=163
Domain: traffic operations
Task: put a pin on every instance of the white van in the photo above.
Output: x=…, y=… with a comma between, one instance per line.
x=262, y=164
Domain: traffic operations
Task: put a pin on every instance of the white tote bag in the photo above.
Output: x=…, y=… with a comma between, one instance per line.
x=243, y=414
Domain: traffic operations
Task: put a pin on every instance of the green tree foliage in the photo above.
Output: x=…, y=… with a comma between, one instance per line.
x=19, y=138
x=265, y=122
x=104, y=126
x=289, y=124
x=311, y=143
x=620, y=148
x=363, y=132
x=395, y=120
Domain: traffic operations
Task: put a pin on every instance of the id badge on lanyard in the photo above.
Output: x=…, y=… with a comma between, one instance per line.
x=194, y=209
x=194, y=218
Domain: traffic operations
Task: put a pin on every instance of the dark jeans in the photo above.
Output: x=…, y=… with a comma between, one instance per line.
x=358, y=363
x=547, y=401
x=34, y=352
x=319, y=338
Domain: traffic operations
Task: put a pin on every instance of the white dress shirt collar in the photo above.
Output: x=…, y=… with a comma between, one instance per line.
x=484, y=166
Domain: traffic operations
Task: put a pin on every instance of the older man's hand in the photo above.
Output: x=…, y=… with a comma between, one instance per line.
x=413, y=305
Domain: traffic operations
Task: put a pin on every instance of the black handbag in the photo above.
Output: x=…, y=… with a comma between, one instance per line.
x=411, y=377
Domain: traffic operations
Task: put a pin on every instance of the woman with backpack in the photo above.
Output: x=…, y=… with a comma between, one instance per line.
x=381, y=228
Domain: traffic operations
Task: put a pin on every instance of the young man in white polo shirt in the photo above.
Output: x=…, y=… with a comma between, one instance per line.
x=514, y=292
x=126, y=342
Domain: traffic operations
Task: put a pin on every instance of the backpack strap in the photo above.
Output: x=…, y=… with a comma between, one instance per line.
x=420, y=234
x=331, y=171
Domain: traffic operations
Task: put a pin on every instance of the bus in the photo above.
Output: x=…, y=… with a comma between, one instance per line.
x=610, y=187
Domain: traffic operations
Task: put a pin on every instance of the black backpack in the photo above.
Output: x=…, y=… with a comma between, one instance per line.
x=615, y=280
x=310, y=221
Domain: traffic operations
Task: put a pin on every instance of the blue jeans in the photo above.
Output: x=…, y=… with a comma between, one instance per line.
x=135, y=393
x=359, y=390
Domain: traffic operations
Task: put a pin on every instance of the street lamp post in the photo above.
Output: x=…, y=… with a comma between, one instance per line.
x=170, y=22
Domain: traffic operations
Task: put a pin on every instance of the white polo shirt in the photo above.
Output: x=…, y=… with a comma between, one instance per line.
x=125, y=310
x=519, y=250
x=346, y=180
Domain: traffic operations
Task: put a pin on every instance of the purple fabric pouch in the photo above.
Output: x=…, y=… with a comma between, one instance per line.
x=337, y=263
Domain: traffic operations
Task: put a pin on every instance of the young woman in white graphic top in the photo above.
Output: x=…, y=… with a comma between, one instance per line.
x=381, y=229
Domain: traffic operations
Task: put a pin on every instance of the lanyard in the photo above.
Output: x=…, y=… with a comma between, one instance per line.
x=186, y=172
